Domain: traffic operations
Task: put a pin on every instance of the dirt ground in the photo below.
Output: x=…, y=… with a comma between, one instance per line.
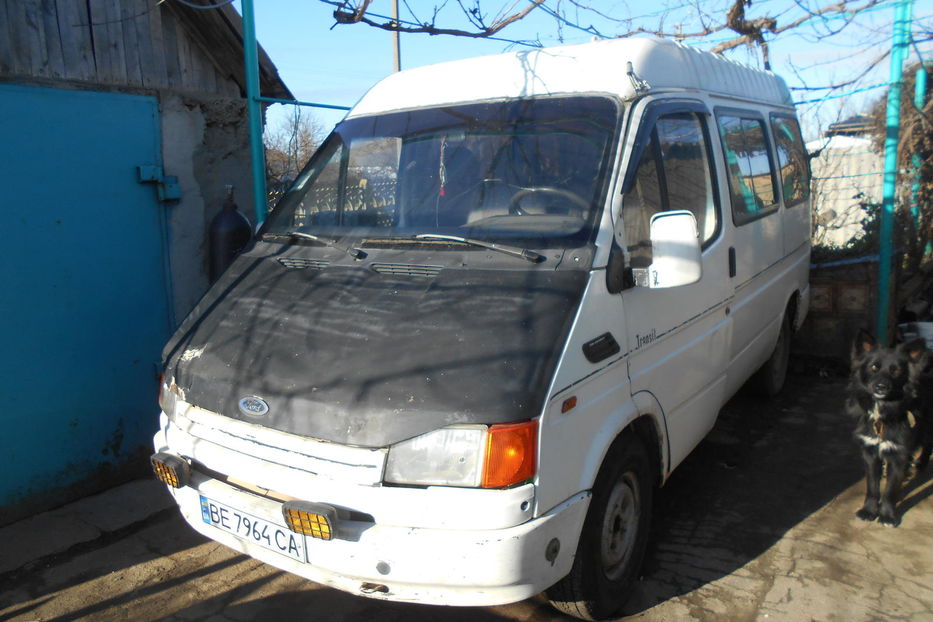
x=756, y=524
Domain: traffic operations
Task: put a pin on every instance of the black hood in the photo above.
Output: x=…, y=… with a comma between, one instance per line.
x=363, y=357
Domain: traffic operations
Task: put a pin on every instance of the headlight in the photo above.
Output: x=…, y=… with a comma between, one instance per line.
x=445, y=457
x=168, y=396
x=496, y=456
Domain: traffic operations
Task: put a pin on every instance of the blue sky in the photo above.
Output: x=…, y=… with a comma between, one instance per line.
x=331, y=64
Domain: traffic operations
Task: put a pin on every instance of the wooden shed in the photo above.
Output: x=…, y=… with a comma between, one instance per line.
x=122, y=122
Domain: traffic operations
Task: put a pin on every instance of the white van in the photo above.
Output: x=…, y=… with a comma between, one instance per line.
x=502, y=302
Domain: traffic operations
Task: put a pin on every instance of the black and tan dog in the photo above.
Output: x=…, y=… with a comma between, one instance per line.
x=890, y=396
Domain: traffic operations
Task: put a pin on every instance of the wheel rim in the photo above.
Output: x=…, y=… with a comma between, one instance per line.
x=620, y=526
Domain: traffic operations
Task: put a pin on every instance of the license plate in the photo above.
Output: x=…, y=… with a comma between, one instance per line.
x=248, y=527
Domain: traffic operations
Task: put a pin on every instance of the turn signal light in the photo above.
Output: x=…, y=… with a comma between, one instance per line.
x=311, y=519
x=170, y=469
x=510, y=454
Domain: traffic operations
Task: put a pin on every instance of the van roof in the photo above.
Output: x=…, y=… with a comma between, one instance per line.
x=598, y=67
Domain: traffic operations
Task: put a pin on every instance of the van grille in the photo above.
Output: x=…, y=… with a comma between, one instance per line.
x=299, y=263
x=402, y=269
x=200, y=434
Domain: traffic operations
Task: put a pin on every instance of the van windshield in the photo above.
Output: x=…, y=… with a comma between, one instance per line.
x=530, y=169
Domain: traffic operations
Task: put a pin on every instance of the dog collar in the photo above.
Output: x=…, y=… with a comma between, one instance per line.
x=877, y=424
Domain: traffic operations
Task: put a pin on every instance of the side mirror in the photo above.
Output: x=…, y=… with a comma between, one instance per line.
x=615, y=269
x=675, y=250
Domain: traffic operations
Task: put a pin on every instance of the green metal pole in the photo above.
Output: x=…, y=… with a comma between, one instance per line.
x=254, y=111
x=902, y=18
x=920, y=100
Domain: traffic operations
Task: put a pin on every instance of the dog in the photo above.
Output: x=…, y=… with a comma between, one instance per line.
x=889, y=394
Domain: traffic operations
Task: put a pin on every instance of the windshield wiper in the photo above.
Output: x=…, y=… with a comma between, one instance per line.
x=515, y=251
x=349, y=250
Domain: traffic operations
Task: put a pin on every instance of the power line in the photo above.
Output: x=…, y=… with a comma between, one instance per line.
x=845, y=94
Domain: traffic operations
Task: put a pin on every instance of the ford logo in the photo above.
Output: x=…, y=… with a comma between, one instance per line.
x=253, y=406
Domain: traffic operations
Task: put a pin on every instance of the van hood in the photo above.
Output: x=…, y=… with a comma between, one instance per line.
x=361, y=357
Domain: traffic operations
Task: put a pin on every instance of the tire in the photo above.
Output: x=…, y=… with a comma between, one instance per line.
x=769, y=380
x=614, y=537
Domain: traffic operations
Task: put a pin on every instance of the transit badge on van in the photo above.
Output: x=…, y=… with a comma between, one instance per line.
x=253, y=406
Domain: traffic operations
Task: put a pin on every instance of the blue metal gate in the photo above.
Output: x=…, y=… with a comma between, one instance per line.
x=84, y=290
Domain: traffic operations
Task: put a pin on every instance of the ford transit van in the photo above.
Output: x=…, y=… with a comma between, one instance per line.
x=501, y=303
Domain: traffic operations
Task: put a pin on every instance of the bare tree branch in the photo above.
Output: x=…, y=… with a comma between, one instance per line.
x=751, y=31
x=850, y=82
x=354, y=12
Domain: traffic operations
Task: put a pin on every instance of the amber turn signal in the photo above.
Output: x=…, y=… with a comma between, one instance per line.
x=510, y=454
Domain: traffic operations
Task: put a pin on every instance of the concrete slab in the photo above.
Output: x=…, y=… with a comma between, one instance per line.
x=59, y=530
x=123, y=506
x=42, y=535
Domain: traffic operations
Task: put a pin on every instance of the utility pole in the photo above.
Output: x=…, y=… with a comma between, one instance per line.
x=396, y=42
x=257, y=154
x=920, y=100
x=902, y=19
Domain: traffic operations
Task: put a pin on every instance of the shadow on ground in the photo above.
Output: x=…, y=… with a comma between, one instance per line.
x=766, y=466
x=338, y=606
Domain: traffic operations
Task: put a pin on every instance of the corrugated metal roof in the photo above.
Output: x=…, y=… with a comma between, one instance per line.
x=857, y=125
x=598, y=67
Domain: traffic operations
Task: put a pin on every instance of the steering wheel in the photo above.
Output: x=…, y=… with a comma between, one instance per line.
x=578, y=202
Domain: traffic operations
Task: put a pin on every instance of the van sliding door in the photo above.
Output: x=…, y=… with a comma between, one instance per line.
x=758, y=240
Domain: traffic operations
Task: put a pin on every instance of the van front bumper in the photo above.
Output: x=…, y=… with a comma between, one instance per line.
x=420, y=565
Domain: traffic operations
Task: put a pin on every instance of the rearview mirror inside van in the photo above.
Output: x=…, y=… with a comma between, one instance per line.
x=675, y=249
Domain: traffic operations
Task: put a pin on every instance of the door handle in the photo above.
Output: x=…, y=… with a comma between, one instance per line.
x=731, y=261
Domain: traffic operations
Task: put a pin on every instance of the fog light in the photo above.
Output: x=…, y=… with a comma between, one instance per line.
x=170, y=469
x=311, y=519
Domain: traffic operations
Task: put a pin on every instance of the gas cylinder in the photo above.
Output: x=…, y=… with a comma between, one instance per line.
x=229, y=234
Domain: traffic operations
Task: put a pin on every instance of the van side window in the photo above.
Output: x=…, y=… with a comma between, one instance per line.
x=792, y=159
x=319, y=207
x=640, y=203
x=750, y=172
x=673, y=174
x=365, y=197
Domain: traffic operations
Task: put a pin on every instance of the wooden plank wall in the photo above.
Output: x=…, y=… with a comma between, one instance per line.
x=137, y=43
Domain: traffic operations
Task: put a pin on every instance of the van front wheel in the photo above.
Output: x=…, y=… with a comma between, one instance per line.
x=615, y=534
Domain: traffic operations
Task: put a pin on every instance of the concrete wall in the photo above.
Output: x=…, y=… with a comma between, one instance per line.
x=206, y=144
x=842, y=300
